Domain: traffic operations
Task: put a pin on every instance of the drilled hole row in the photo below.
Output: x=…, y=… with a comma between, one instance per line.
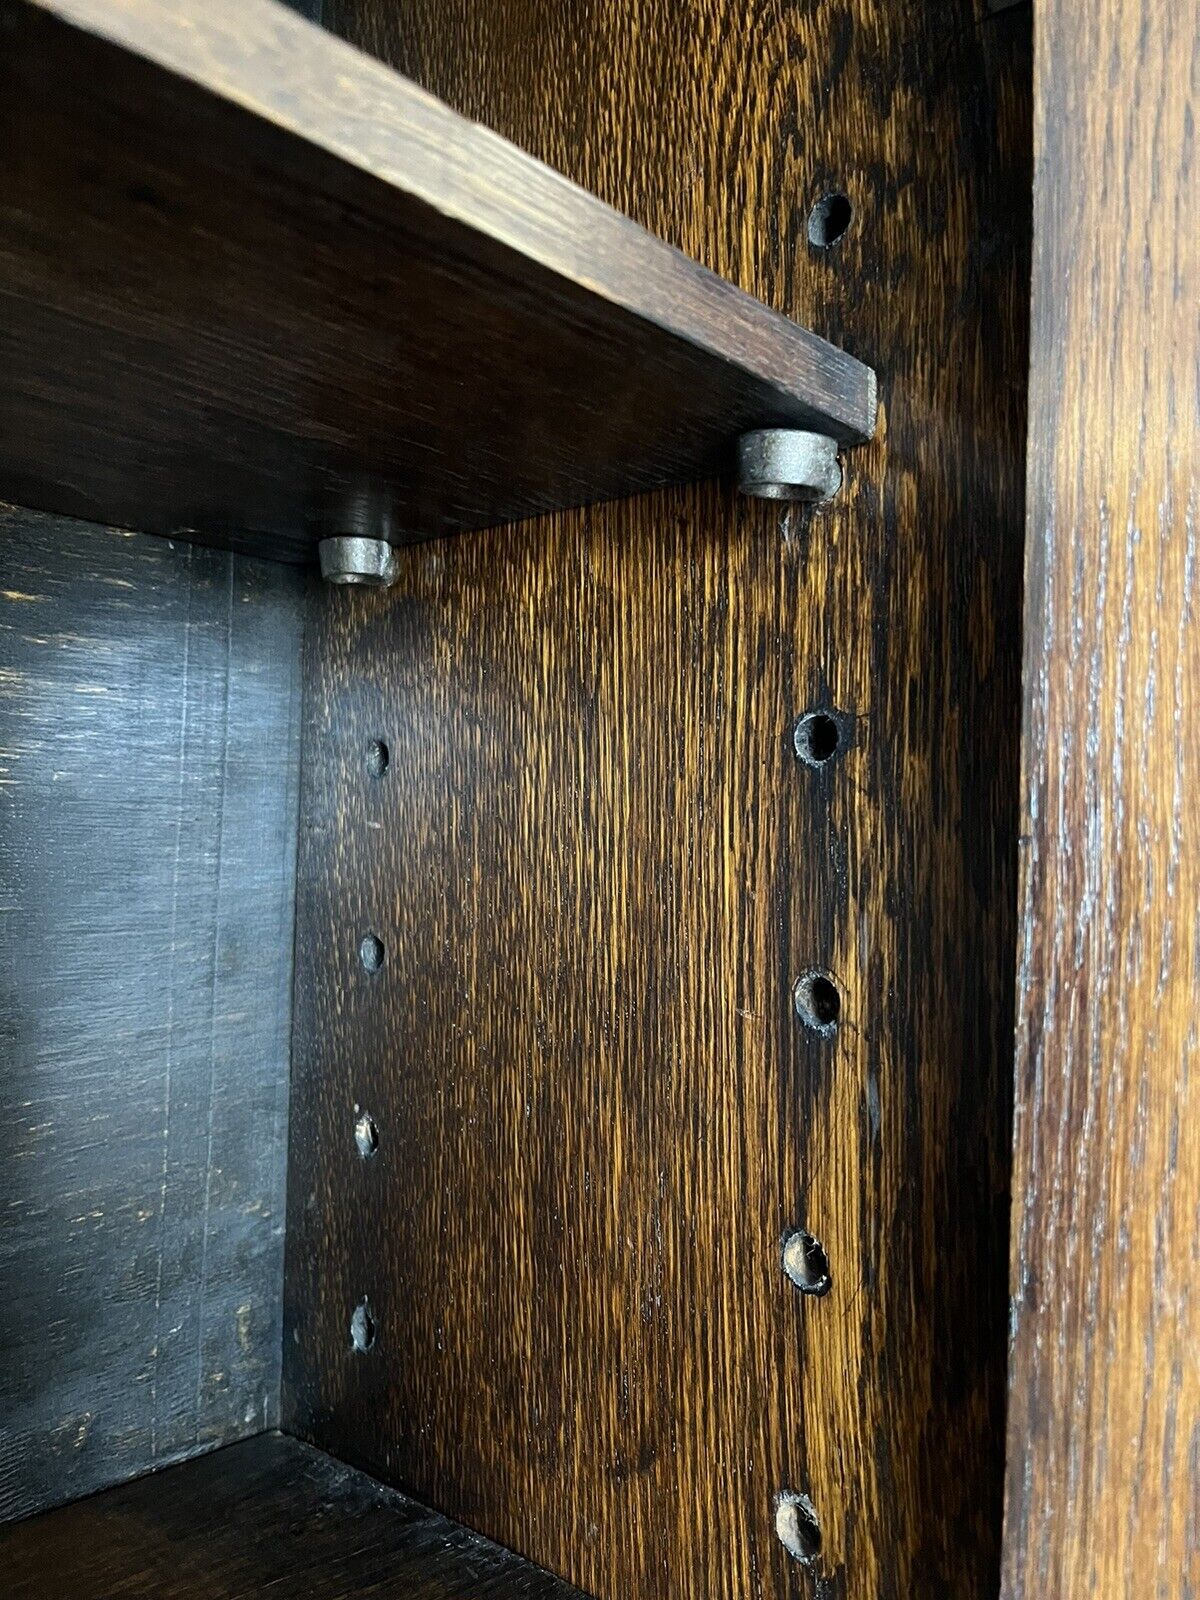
x=819, y=738
x=371, y=953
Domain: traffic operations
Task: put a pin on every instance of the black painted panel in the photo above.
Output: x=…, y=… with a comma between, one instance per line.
x=149, y=700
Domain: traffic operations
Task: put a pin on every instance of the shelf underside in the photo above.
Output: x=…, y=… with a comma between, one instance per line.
x=255, y=288
x=268, y=1516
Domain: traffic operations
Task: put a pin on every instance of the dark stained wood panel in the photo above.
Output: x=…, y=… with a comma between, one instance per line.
x=271, y=1517
x=597, y=868
x=149, y=731
x=1104, y=1412
x=255, y=288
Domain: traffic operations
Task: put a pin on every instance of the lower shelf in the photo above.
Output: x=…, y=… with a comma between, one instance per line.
x=269, y=1516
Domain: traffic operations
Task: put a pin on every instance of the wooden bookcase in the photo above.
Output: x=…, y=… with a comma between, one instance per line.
x=507, y=1079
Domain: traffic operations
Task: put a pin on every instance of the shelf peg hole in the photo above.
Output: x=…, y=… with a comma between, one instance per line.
x=378, y=758
x=829, y=219
x=796, y=1526
x=362, y=1328
x=370, y=952
x=818, y=1003
x=366, y=1134
x=818, y=737
x=805, y=1262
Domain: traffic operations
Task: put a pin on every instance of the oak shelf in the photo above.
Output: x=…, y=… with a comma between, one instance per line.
x=256, y=288
x=267, y=1516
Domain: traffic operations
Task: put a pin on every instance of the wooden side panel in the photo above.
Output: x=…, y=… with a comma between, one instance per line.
x=596, y=868
x=267, y=1517
x=1104, y=1422
x=149, y=723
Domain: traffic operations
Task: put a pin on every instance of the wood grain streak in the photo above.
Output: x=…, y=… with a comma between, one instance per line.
x=255, y=288
x=1104, y=1421
x=149, y=746
x=271, y=1517
x=597, y=869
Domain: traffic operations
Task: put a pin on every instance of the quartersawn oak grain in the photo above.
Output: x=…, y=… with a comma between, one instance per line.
x=271, y=1517
x=255, y=288
x=1104, y=1412
x=597, y=869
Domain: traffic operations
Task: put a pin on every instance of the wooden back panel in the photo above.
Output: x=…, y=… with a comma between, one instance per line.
x=597, y=868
